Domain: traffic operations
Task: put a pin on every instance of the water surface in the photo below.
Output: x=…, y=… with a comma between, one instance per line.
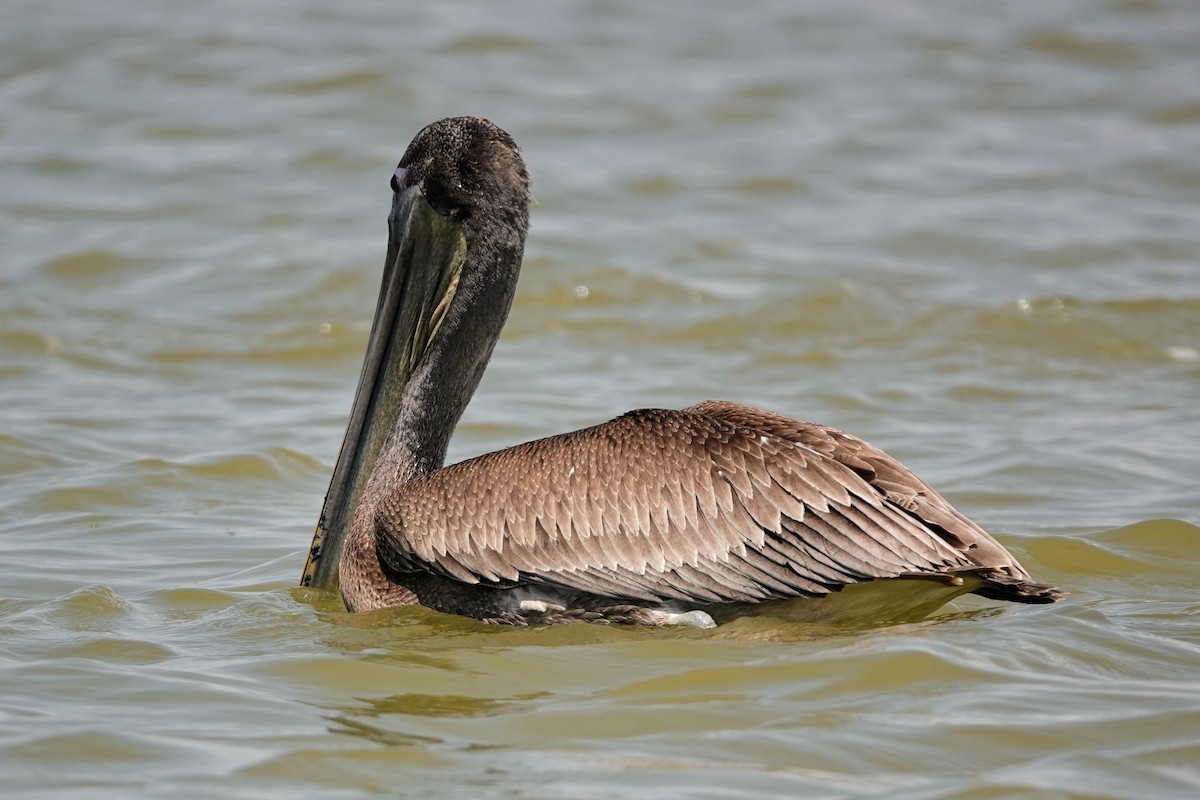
x=966, y=232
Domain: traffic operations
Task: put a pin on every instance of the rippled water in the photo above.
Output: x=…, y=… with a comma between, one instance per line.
x=968, y=232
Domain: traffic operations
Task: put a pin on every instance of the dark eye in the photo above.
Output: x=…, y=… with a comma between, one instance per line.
x=455, y=212
x=445, y=201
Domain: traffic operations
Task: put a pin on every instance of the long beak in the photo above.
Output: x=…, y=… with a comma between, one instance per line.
x=420, y=276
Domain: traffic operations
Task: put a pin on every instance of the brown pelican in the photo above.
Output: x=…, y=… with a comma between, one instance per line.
x=656, y=517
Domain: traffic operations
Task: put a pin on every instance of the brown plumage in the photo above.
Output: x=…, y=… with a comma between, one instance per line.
x=655, y=517
x=718, y=503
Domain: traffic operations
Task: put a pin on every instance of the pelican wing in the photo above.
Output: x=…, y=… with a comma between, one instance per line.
x=656, y=505
x=891, y=479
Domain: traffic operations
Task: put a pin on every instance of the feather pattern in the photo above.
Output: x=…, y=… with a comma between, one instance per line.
x=717, y=503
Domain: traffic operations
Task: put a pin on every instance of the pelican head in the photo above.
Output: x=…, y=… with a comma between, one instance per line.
x=456, y=236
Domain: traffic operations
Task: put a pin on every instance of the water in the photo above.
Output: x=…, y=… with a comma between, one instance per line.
x=964, y=231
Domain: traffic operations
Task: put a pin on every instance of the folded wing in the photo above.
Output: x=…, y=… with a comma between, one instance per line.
x=713, y=504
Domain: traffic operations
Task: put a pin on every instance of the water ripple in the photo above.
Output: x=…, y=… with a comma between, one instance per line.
x=965, y=232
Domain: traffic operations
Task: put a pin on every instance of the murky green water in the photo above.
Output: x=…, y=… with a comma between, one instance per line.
x=968, y=232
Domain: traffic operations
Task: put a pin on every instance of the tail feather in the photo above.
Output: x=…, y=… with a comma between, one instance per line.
x=998, y=586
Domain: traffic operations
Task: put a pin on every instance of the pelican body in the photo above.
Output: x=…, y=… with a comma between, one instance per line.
x=656, y=517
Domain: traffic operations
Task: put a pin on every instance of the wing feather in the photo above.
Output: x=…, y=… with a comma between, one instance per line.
x=708, y=505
